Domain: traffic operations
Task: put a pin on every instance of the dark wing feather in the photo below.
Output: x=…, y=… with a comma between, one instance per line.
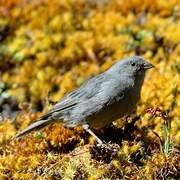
x=83, y=93
x=73, y=98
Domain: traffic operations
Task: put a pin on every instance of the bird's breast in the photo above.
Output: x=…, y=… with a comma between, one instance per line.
x=123, y=104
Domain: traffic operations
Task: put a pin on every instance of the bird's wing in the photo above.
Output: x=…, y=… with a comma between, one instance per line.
x=109, y=92
x=71, y=100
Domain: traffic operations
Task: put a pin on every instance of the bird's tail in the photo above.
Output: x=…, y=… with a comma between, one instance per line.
x=37, y=125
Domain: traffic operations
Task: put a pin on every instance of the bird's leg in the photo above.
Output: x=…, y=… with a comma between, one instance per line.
x=86, y=128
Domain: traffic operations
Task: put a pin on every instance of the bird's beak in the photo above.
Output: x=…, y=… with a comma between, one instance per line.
x=148, y=65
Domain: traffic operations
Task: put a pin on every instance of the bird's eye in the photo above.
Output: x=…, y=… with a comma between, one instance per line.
x=133, y=64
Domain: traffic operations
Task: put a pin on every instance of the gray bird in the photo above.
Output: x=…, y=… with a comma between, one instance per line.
x=100, y=100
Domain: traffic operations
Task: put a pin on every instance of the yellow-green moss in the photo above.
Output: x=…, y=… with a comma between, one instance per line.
x=49, y=47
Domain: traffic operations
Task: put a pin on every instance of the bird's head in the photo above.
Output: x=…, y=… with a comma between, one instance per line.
x=135, y=66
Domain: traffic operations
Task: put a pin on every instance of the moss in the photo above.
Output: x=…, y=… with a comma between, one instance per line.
x=50, y=47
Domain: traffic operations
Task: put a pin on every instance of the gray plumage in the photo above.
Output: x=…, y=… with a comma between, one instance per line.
x=100, y=100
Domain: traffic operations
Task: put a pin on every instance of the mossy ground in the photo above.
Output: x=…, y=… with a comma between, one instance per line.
x=50, y=47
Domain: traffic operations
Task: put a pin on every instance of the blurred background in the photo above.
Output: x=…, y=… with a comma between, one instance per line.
x=50, y=47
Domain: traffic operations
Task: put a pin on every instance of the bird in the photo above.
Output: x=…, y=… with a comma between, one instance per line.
x=100, y=100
